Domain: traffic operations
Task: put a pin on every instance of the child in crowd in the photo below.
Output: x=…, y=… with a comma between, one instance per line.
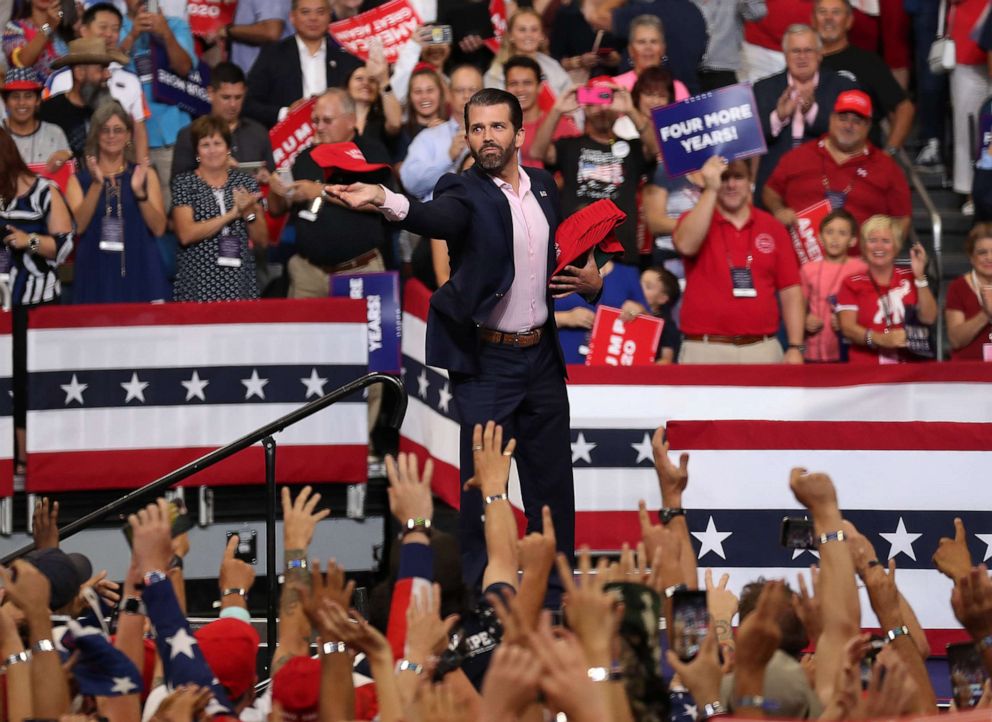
x=662, y=292
x=821, y=280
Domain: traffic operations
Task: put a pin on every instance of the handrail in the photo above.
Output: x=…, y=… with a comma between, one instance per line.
x=936, y=231
x=207, y=460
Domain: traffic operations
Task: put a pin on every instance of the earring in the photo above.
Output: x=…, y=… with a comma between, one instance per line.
x=197, y=159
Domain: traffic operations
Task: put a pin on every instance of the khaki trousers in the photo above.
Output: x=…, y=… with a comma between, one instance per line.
x=768, y=351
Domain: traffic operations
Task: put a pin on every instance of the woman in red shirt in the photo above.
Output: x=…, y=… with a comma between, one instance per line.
x=872, y=306
x=968, y=308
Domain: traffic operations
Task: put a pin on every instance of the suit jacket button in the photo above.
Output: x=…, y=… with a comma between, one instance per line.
x=499, y=295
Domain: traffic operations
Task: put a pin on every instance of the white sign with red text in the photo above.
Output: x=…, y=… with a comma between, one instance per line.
x=393, y=24
x=615, y=342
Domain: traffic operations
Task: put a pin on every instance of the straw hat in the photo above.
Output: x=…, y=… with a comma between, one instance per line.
x=89, y=51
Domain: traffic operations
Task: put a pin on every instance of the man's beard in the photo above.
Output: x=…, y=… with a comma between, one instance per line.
x=491, y=163
x=94, y=94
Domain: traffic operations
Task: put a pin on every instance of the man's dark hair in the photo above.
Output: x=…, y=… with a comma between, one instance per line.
x=522, y=61
x=226, y=72
x=494, y=96
x=89, y=15
x=794, y=638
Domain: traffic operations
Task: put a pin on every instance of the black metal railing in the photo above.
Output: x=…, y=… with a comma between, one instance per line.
x=263, y=435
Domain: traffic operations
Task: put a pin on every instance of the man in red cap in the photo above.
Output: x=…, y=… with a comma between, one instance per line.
x=37, y=141
x=296, y=688
x=230, y=646
x=843, y=167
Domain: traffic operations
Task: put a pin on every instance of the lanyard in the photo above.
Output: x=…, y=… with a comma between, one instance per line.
x=750, y=247
x=113, y=190
x=837, y=198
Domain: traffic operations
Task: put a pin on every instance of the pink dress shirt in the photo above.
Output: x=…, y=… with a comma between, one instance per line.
x=525, y=304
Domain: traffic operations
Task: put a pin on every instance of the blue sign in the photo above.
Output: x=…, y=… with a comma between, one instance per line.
x=984, y=132
x=381, y=292
x=189, y=93
x=722, y=122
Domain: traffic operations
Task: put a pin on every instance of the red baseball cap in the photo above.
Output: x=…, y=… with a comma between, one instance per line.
x=853, y=101
x=21, y=79
x=296, y=687
x=344, y=156
x=230, y=646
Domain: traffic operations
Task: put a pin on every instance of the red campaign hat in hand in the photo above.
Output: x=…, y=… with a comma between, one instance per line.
x=591, y=227
x=343, y=156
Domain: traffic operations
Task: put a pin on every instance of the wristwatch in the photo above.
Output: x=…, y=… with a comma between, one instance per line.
x=666, y=514
x=34, y=243
x=47, y=29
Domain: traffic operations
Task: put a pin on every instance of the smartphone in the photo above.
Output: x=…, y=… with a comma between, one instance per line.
x=594, y=96
x=797, y=533
x=151, y=6
x=178, y=517
x=690, y=623
x=441, y=35
x=876, y=644
x=967, y=674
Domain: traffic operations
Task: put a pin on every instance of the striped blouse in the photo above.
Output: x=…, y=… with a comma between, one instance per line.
x=33, y=279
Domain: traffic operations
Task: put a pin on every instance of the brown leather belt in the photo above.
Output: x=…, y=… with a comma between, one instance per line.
x=735, y=340
x=517, y=340
x=356, y=262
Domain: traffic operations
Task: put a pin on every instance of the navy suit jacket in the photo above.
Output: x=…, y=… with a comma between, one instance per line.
x=470, y=212
x=766, y=94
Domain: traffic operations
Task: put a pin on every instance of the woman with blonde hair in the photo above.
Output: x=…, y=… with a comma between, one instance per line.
x=525, y=36
x=119, y=214
x=968, y=307
x=873, y=306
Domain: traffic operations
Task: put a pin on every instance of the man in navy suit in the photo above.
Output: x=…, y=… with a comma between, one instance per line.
x=492, y=325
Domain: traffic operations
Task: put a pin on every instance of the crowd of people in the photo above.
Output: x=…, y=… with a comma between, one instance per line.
x=164, y=206
x=596, y=643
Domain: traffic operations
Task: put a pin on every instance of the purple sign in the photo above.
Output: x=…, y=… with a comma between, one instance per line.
x=189, y=93
x=984, y=133
x=381, y=292
x=722, y=122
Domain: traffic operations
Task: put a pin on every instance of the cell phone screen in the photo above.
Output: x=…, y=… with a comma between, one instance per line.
x=797, y=533
x=690, y=623
x=967, y=674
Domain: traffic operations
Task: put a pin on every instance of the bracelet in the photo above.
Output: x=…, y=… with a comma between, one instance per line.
x=134, y=605
x=713, y=709
x=405, y=665
x=297, y=564
x=604, y=674
x=496, y=497
x=670, y=591
x=921, y=282
x=873, y=563
x=251, y=218
x=415, y=525
x=46, y=28
x=34, y=243
x=893, y=634
x=984, y=643
x=176, y=562
x=868, y=340
x=240, y=591
x=800, y=346
x=334, y=648
x=154, y=577
x=42, y=645
x=13, y=659
x=832, y=536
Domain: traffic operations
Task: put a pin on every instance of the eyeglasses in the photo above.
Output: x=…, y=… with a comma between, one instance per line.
x=113, y=130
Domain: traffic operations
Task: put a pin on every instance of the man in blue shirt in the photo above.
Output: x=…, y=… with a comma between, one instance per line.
x=441, y=149
x=146, y=36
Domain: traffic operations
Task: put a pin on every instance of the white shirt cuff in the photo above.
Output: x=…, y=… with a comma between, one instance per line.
x=396, y=206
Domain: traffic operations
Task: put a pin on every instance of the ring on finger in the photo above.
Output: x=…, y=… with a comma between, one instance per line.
x=507, y=453
x=476, y=448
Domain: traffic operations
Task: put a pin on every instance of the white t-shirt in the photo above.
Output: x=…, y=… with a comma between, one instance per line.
x=123, y=85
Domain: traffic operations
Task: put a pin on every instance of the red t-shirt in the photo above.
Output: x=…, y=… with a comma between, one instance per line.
x=566, y=128
x=962, y=19
x=768, y=31
x=709, y=305
x=878, y=308
x=961, y=297
x=873, y=181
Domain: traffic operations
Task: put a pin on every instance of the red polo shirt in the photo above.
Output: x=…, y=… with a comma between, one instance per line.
x=768, y=31
x=873, y=181
x=709, y=305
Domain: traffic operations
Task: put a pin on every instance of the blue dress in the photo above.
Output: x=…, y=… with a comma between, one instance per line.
x=134, y=274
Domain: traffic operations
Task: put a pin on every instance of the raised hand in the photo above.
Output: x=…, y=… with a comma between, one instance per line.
x=490, y=459
x=807, y=605
x=185, y=704
x=883, y=594
x=672, y=479
x=300, y=519
x=45, y=524
x=152, y=537
x=972, y=602
x=427, y=634
x=589, y=609
x=564, y=678
x=94, y=168
x=234, y=573
x=511, y=682
x=918, y=260
x=712, y=172
x=952, y=557
x=814, y=491
x=139, y=178
x=760, y=634
x=326, y=588
x=26, y=587
x=353, y=630
x=702, y=675
x=409, y=494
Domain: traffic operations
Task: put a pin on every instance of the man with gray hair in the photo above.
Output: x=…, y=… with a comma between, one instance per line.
x=794, y=106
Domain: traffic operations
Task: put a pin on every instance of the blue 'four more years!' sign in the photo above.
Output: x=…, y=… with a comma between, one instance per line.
x=722, y=122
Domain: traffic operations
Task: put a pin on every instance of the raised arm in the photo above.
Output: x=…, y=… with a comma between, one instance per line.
x=672, y=481
x=693, y=227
